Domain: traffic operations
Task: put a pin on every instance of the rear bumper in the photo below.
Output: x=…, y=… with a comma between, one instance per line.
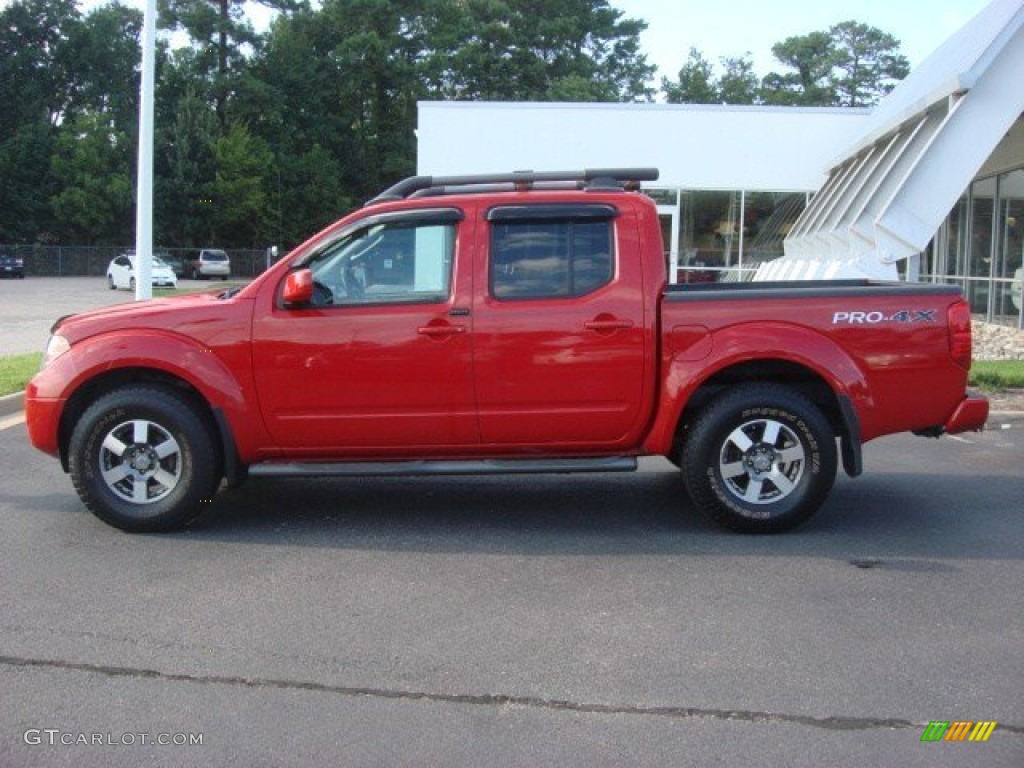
x=969, y=416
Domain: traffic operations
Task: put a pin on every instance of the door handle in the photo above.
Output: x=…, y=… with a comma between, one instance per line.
x=440, y=331
x=608, y=325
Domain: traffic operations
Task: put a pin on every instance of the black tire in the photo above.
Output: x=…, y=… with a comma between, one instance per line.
x=760, y=458
x=131, y=285
x=110, y=283
x=143, y=460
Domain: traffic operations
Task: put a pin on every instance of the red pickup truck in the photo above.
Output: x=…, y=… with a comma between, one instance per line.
x=498, y=324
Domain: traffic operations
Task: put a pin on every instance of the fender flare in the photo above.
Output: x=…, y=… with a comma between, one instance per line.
x=685, y=372
x=232, y=402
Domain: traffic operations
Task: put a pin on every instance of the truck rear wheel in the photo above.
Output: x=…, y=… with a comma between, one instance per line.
x=760, y=458
x=142, y=459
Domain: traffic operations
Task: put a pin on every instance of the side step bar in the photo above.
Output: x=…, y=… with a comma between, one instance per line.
x=475, y=467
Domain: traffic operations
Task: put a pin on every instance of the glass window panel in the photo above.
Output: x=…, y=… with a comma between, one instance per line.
x=387, y=263
x=549, y=259
x=1010, y=244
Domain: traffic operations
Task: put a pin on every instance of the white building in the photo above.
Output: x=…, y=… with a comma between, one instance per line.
x=928, y=185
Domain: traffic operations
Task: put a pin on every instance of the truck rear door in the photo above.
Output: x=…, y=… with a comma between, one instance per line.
x=561, y=354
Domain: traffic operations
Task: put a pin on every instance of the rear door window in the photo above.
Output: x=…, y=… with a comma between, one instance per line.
x=550, y=252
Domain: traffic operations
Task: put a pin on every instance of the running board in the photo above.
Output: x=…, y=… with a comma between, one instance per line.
x=408, y=468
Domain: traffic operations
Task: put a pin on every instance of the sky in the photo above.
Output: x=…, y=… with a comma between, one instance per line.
x=736, y=27
x=720, y=28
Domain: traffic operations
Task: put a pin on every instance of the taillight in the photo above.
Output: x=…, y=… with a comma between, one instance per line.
x=959, y=318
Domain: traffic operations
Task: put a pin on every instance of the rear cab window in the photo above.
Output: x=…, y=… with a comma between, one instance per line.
x=555, y=251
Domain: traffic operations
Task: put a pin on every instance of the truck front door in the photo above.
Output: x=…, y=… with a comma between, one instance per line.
x=380, y=362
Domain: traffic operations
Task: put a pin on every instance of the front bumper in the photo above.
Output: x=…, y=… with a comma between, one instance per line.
x=969, y=416
x=42, y=419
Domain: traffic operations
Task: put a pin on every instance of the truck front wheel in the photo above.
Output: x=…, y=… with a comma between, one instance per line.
x=760, y=458
x=142, y=459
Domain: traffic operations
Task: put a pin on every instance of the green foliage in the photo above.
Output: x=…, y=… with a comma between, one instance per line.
x=16, y=370
x=243, y=163
x=811, y=58
x=739, y=84
x=997, y=374
x=92, y=165
x=866, y=64
x=851, y=65
x=695, y=84
x=266, y=138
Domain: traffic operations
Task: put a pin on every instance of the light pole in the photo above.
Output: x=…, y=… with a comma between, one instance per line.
x=144, y=177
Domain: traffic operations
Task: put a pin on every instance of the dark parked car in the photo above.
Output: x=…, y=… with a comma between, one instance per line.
x=11, y=265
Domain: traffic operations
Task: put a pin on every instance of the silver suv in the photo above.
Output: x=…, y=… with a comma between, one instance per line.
x=209, y=262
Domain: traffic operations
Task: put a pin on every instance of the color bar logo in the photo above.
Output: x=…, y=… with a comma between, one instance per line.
x=958, y=730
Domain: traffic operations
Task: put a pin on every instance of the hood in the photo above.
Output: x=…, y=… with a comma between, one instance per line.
x=173, y=313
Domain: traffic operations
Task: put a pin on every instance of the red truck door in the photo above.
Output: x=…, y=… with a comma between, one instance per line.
x=381, y=361
x=560, y=346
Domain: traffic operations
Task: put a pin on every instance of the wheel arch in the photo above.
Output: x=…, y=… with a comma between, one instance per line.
x=118, y=378
x=835, y=405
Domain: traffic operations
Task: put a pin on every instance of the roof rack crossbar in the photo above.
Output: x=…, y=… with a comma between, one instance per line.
x=476, y=189
x=414, y=184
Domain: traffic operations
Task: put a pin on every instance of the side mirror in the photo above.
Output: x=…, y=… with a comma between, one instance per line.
x=298, y=288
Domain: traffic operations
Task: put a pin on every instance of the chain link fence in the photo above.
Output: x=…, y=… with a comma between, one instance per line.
x=92, y=261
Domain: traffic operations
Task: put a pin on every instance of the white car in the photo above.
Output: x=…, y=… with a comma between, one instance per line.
x=121, y=273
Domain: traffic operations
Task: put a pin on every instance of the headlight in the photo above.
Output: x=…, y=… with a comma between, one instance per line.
x=55, y=347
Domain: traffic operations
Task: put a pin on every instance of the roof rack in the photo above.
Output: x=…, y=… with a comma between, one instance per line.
x=521, y=181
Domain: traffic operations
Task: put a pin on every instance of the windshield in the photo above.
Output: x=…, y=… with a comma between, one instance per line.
x=215, y=256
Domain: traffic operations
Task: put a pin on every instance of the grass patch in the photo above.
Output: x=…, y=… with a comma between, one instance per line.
x=16, y=370
x=197, y=286
x=997, y=375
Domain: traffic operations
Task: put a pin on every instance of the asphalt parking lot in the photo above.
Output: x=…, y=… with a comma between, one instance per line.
x=29, y=307
x=587, y=620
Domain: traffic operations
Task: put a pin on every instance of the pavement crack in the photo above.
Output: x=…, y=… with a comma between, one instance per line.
x=832, y=723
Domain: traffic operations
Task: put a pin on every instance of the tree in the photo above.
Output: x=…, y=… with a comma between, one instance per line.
x=238, y=192
x=184, y=212
x=534, y=50
x=866, y=63
x=738, y=84
x=221, y=34
x=812, y=57
x=695, y=84
x=850, y=65
x=35, y=92
x=106, y=50
x=92, y=165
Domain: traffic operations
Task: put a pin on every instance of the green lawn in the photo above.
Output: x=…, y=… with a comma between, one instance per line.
x=998, y=374
x=16, y=370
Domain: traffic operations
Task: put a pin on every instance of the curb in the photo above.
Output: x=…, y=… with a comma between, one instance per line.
x=12, y=404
